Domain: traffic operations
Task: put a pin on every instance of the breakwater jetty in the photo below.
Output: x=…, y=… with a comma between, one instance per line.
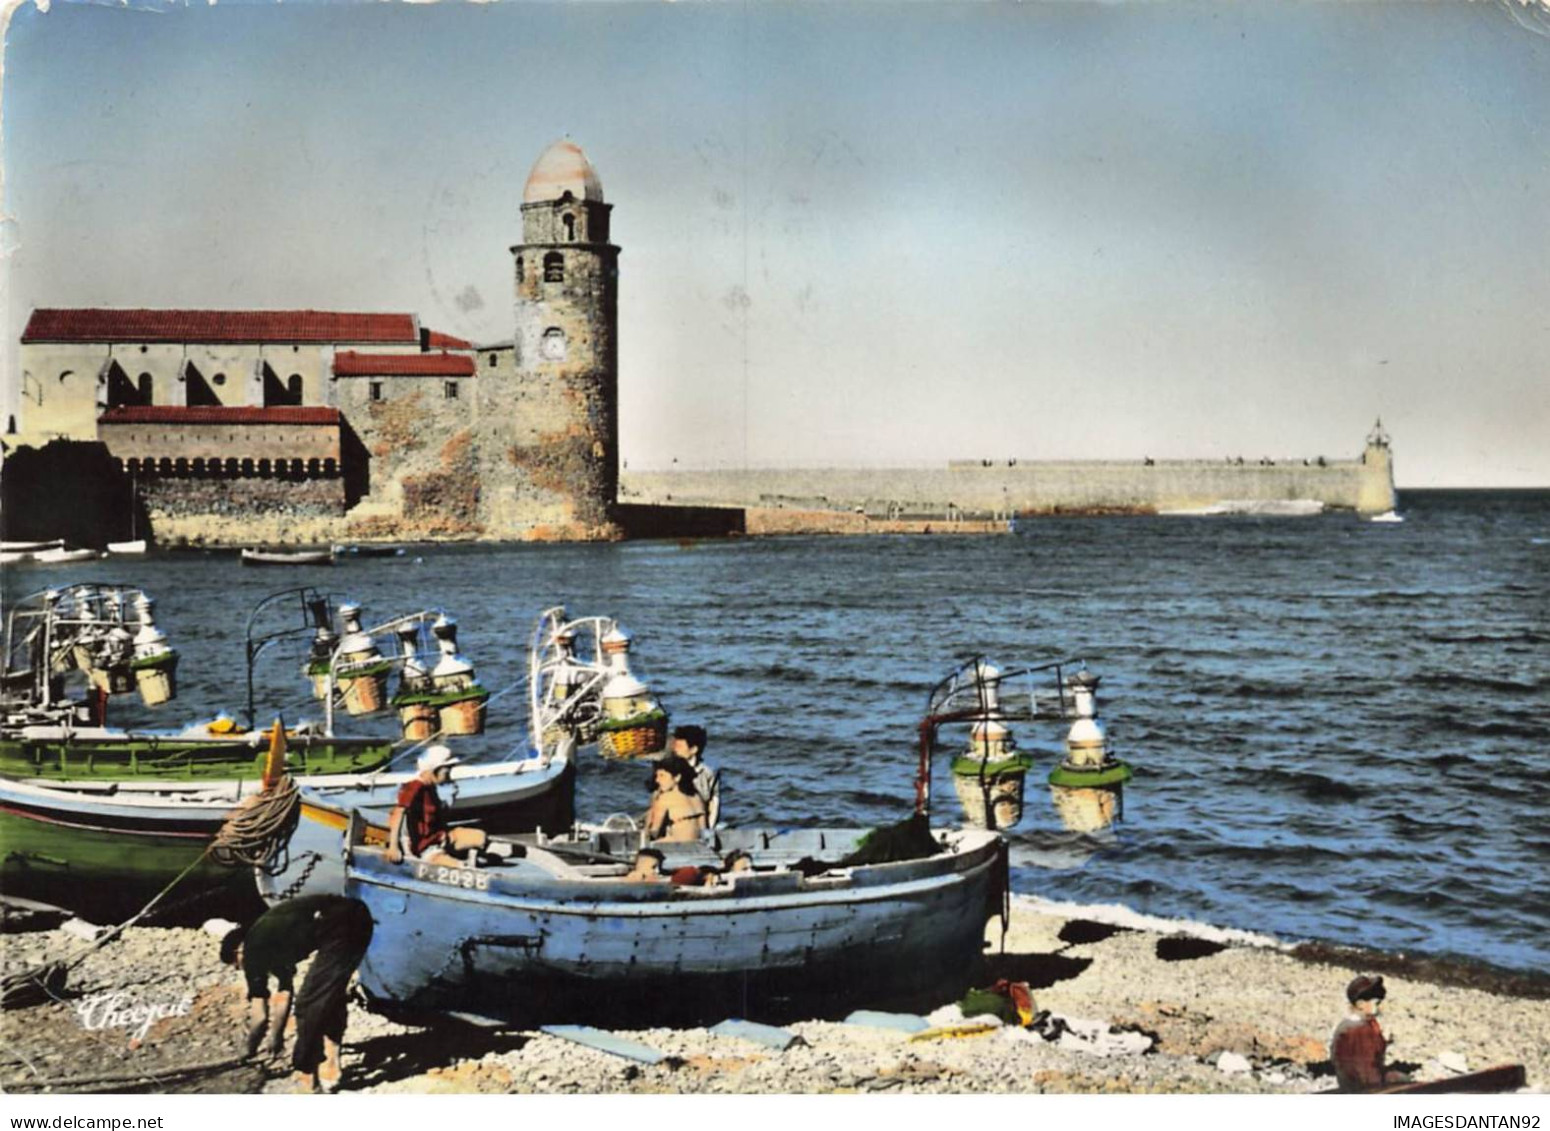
x=972, y=494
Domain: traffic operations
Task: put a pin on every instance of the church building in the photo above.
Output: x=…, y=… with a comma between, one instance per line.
x=243, y=426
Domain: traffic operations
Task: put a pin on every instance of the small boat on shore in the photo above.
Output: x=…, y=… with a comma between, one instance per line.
x=265, y=557
x=369, y=550
x=61, y=555
x=811, y=919
x=563, y=934
x=110, y=815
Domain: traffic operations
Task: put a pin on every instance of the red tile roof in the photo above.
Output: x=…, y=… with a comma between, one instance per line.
x=98, y=325
x=446, y=341
x=219, y=414
x=348, y=363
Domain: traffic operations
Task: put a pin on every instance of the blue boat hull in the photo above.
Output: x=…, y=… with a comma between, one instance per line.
x=534, y=949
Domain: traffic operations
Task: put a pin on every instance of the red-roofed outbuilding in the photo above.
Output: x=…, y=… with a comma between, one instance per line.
x=349, y=363
x=435, y=339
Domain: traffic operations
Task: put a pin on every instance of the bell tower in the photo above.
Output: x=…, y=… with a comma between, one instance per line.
x=567, y=319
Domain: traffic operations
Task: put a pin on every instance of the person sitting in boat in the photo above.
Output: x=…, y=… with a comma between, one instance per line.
x=648, y=865
x=704, y=875
x=335, y=930
x=738, y=860
x=676, y=812
x=1358, y=1046
x=418, y=817
x=689, y=744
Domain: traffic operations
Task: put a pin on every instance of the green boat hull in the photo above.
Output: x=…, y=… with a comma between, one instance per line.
x=153, y=757
x=107, y=871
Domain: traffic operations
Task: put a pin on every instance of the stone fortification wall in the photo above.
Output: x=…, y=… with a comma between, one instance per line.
x=505, y=459
x=1005, y=489
x=158, y=443
x=417, y=447
x=244, y=512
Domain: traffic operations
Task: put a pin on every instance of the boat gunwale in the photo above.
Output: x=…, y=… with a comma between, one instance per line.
x=173, y=795
x=953, y=867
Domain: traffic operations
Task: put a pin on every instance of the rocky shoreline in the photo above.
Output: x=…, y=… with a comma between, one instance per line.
x=1136, y=1006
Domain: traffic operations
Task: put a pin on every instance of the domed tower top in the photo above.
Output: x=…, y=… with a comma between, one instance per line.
x=562, y=168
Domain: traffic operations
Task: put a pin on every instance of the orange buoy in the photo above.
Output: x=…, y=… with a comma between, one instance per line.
x=274, y=764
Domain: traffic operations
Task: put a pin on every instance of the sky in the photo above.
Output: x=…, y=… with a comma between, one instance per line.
x=854, y=234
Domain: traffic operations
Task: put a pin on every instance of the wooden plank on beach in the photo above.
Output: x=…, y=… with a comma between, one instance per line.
x=1502, y=1078
x=605, y=1042
x=972, y=1029
x=899, y=1022
x=767, y=1035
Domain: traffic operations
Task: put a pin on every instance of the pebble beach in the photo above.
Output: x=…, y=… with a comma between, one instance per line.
x=1141, y=1006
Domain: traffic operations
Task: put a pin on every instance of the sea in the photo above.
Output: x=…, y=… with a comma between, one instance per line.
x=1340, y=729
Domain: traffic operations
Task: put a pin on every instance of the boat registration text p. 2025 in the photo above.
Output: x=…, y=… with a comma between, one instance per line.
x=456, y=877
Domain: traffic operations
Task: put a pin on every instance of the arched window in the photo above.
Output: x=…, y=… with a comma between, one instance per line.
x=166, y=466
x=494, y=360
x=146, y=386
x=247, y=468
x=570, y=226
x=293, y=388
x=554, y=268
x=181, y=467
x=264, y=470
x=521, y=274
x=330, y=468
x=313, y=468
x=233, y=468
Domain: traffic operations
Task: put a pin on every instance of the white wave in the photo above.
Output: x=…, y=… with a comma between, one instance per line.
x=1118, y=915
x=1288, y=508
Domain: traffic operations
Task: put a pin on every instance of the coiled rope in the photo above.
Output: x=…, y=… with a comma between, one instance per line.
x=259, y=828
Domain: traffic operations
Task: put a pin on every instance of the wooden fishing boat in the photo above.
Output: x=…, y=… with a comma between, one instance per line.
x=61, y=555
x=823, y=920
x=31, y=547
x=107, y=846
x=369, y=551
x=98, y=816
x=560, y=935
x=287, y=557
x=137, y=546
x=205, y=752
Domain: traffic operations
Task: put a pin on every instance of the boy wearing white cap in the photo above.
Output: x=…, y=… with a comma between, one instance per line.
x=420, y=805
